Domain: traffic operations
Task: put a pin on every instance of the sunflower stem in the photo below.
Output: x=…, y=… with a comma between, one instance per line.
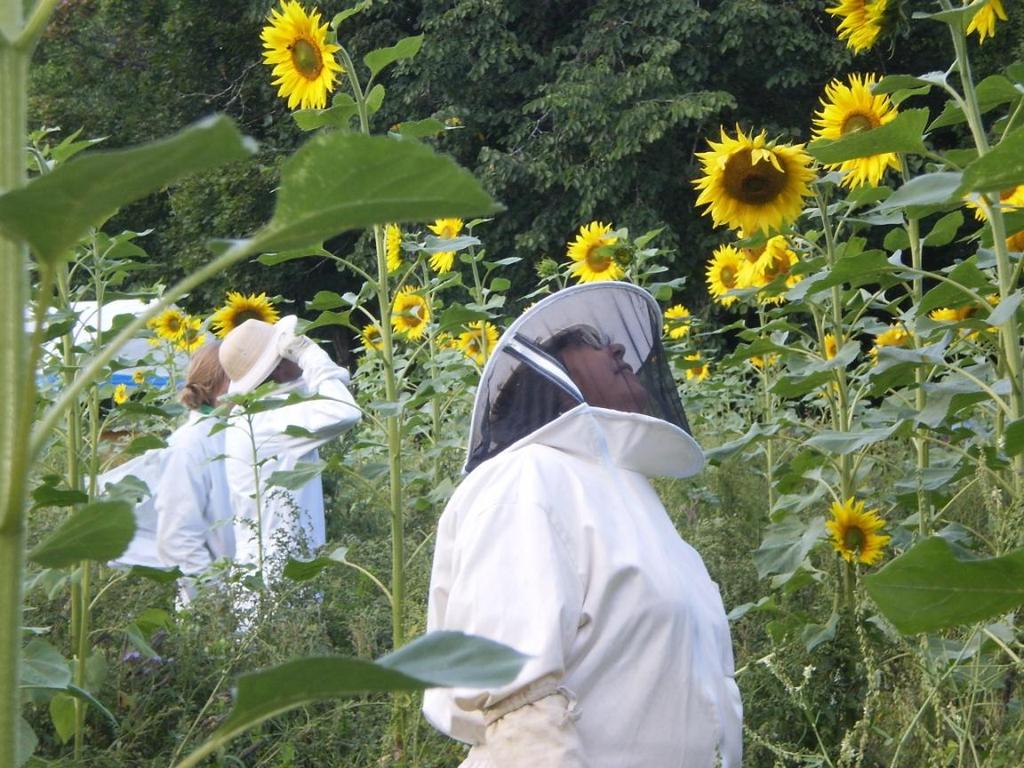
x=1009, y=331
x=16, y=383
x=922, y=458
x=841, y=409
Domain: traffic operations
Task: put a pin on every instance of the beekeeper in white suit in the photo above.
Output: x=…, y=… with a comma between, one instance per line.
x=557, y=545
x=272, y=523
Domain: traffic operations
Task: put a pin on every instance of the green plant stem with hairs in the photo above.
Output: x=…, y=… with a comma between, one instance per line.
x=18, y=383
x=921, y=454
x=841, y=412
x=392, y=421
x=1009, y=331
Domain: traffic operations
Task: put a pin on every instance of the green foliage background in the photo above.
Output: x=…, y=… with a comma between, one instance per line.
x=571, y=111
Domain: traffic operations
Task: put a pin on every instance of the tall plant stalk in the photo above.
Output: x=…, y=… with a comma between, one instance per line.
x=18, y=381
x=392, y=422
x=1009, y=331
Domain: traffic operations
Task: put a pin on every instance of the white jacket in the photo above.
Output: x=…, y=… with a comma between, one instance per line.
x=192, y=501
x=557, y=549
x=289, y=518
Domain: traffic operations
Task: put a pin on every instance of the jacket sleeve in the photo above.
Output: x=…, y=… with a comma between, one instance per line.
x=181, y=497
x=332, y=412
x=511, y=577
x=541, y=735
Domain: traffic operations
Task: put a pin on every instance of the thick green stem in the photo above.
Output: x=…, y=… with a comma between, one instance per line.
x=15, y=414
x=841, y=411
x=924, y=513
x=393, y=421
x=1009, y=331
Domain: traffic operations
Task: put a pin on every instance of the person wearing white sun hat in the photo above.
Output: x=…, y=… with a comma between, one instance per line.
x=272, y=522
x=556, y=544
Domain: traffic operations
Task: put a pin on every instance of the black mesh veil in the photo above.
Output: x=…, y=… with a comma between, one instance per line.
x=598, y=343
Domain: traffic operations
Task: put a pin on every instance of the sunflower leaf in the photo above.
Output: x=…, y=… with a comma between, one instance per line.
x=99, y=531
x=930, y=587
x=54, y=211
x=930, y=189
x=991, y=92
x=342, y=181
x=1002, y=168
x=902, y=134
x=337, y=116
x=438, y=659
x=405, y=48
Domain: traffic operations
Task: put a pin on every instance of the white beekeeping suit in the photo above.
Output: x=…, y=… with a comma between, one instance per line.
x=192, y=500
x=557, y=545
x=271, y=522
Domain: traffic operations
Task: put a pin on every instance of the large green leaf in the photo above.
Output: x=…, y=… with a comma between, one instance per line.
x=27, y=742
x=930, y=189
x=902, y=134
x=54, y=211
x=438, y=659
x=405, y=48
x=991, y=92
x=1000, y=169
x=842, y=443
x=99, y=531
x=43, y=666
x=1014, y=437
x=930, y=588
x=786, y=544
x=341, y=181
x=949, y=294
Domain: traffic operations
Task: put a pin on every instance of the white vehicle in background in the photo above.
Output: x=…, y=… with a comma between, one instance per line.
x=155, y=363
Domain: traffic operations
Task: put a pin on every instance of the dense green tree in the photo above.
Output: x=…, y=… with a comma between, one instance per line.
x=570, y=111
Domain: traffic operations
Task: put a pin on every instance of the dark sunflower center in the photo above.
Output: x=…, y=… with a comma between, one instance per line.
x=248, y=314
x=306, y=58
x=753, y=254
x=853, y=539
x=778, y=267
x=728, y=277
x=856, y=123
x=598, y=260
x=754, y=184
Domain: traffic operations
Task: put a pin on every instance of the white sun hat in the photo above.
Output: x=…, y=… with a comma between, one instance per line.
x=506, y=409
x=249, y=353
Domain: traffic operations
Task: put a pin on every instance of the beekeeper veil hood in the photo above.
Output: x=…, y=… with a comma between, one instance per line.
x=593, y=350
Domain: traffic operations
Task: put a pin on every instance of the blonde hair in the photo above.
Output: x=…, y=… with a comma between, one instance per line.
x=206, y=380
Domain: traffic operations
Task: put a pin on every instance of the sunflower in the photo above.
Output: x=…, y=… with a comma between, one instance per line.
x=371, y=337
x=591, y=260
x=139, y=377
x=952, y=314
x=677, y=323
x=984, y=21
x=479, y=341
x=240, y=308
x=752, y=185
x=895, y=336
x=393, y=243
x=759, y=361
x=847, y=109
x=776, y=258
x=697, y=372
x=410, y=313
x=862, y=21
x=831, y=348
x=446, y=229
x=723, y=274
x=855, y=532
x=1009, y=200
x=169, y=325
x=295, y=45
x=191, y=338
x=120, y=394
